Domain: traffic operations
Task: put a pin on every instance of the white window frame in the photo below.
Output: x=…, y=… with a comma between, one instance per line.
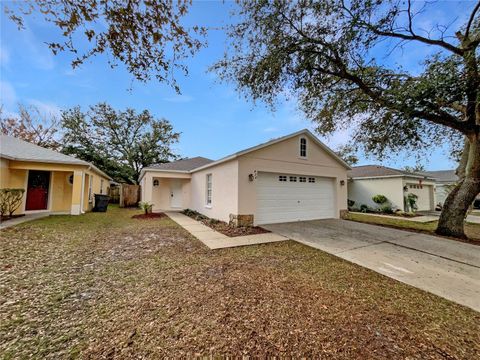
x=90, y=190
x=301, y=149
x=208, y=190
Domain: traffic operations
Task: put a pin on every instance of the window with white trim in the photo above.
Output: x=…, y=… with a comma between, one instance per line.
x=208, y=190
x=311, y=179
x=302, y=179
x=293, y=178
x=90, y=193
x=282, y=178
x=303, y=147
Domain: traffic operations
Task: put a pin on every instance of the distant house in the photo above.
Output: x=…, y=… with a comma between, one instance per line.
x=370, y=180
x=53, y=182
x=444, y=182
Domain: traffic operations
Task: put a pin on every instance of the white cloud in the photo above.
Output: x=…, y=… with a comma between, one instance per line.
x=46, y=108
x=8, y=96
x=4, y=56
x=270, y=129
x=178, y=99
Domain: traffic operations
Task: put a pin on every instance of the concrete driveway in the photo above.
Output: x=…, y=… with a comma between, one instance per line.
x=447, y=268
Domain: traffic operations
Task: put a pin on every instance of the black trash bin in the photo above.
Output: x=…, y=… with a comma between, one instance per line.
x=101, y=203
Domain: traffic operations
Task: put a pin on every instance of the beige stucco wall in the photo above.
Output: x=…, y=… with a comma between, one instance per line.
x=225, y=195
x=61, y=191
x=4, y=173
x=284, y=158
x=362, y=191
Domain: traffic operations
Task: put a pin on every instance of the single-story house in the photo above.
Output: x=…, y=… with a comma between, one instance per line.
x=53, y=182
x=292, y=178
x=445, y=180
x=370, y=180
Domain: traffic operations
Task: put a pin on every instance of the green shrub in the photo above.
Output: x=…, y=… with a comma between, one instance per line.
x=146, y=207
x=364, y=208
x=386, y=209
x=10, y=200
x=379, y=199
x=412, y=202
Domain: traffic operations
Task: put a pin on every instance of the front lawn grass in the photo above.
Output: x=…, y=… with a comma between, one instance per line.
x=472, y=230
x=104, y=285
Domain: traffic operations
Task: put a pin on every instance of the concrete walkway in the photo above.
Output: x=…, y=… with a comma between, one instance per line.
x=215, y=240
x=444, y=267
x=22, y=219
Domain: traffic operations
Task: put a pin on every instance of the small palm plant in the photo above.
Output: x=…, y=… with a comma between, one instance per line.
x=146, y=207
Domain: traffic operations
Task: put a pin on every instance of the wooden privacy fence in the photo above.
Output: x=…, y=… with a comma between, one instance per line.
x=129, y=195
x=114, y=193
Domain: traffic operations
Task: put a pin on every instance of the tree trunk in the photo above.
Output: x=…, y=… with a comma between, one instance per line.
x=451, y=222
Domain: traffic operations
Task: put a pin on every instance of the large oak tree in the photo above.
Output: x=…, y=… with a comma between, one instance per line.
x=121, y=143
x=324, y=53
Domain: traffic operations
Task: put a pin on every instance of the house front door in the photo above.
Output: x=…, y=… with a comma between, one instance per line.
x=176, y=196
x=37, y=190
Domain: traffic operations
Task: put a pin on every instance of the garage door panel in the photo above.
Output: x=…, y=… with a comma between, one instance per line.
x=282, y=201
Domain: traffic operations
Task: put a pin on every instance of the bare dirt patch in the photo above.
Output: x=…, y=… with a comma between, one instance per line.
x=223, y=227
x=103, y=285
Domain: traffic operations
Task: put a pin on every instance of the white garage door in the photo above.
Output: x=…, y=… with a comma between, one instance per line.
x=424, y=194
x=283, y=198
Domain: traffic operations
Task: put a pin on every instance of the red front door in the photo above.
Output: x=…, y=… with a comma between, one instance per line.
x=37, y=190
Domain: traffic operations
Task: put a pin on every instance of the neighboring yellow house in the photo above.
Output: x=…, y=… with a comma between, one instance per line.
x=53, y=182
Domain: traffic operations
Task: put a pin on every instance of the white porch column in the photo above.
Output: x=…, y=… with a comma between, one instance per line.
x=147, y=188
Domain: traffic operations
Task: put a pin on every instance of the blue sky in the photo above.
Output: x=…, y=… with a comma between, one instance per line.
x=213, y=119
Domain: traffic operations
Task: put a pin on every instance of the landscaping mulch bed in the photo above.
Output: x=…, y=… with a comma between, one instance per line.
x=149, y=216
x=106, y=286
x=223, y=227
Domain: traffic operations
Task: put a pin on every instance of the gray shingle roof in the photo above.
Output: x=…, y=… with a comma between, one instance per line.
x=15, y=149
x=379, y=171
x=447, y=176
x=182, y=165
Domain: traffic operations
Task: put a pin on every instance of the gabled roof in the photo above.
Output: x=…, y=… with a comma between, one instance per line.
x=181, y=165
x=447, y=176
x=12, y=148
x=372, y=171
x=274, y=141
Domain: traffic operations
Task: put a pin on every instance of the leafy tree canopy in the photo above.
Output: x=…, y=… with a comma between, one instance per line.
x=32, y=125
x=147, y=36
x=348, y=153
x=323, y=52
x=120, y=143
